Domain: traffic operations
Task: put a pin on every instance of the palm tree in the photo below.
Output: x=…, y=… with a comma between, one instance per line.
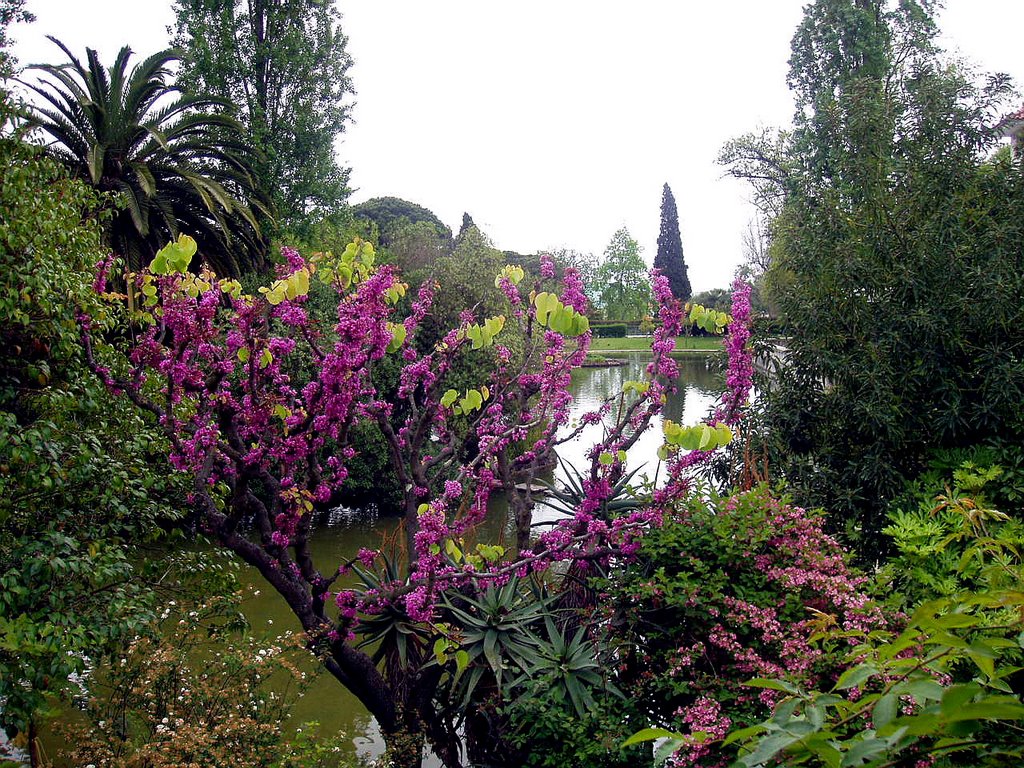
x=175, y=162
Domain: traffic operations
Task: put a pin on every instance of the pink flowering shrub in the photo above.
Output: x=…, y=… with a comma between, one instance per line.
x=723, y=592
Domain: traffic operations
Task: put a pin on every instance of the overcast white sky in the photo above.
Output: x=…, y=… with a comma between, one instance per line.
x=554, y=122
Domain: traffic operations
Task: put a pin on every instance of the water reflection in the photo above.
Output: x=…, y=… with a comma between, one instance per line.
x=698, y=388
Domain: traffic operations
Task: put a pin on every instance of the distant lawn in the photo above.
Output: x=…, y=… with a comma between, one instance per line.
x=641, y=343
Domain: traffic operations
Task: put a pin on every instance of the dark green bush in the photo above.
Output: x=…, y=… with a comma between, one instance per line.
x=610, y=330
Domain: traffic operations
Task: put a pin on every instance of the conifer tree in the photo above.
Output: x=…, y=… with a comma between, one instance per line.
x=670, y=248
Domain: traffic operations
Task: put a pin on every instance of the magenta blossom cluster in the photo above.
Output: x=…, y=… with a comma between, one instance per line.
x=740, y=376
x=739, y=382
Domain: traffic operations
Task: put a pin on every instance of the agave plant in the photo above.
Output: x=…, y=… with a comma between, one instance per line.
x=494, y=631
x=397, y=640
x=568, y=498
x=176, y=163
x=569, y=668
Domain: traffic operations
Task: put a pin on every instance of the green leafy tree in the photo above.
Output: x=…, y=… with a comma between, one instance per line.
x=77, y=491
x=624, y=291
x=466, y=281
x=718, y=299
x=11, y=11
x=284, y=66
x=392, y=214
x=176, y=163
x=895, y=260
x=411, y=235
x=467, y=224
x=670, y=248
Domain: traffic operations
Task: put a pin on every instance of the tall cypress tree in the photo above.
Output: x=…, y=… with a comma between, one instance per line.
x=670, y=248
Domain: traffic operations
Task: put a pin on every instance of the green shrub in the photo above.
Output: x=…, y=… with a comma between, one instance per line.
x=610, y=330
x=726, y=590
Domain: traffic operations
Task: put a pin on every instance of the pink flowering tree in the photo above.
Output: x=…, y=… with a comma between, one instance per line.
x=264, y=445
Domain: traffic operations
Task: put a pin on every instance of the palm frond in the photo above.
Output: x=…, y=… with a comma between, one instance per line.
x=178, y=162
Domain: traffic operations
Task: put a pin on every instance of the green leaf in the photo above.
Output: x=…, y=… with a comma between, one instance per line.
x=774, y=685
x=767, y=748
x=994, y=708
x=174, y=257
x=884, y=711
x=863, y=751
x=472, y=401
x=398, y=335
x=545, y=303
x=855, y=676
x=650, y=734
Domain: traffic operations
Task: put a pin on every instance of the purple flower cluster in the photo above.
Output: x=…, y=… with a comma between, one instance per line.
x=740, y=377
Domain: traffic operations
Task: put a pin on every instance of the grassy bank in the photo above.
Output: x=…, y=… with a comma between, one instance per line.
x=643, y=343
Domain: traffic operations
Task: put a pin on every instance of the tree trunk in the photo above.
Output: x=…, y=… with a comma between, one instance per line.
x=35, y=759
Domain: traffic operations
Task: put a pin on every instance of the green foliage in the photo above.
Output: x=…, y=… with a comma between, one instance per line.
x=943, y=688
x=305, y=750
x=400, y=223
x=949, y=538
x=531, y=685
x=700, y=437
x=416, y=246
x=709, y=320
x=568, y=668
x=174, y=163
x=895, y=262
x=624, y=291
x=465, y=281
x=718, y=299
x=283, y=65
x=194, y=690
x=544, y=731
x=494, y=632
x=174, y=257
x=77, y=486
x=669, y=258
x=370, y=480
x=551, y=313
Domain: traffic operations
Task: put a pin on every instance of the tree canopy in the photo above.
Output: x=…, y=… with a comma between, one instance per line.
x=283, y=64
x=669, y=258
x=390, y=214
x=78, y=483
x=624, y=289
x=895, y=259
